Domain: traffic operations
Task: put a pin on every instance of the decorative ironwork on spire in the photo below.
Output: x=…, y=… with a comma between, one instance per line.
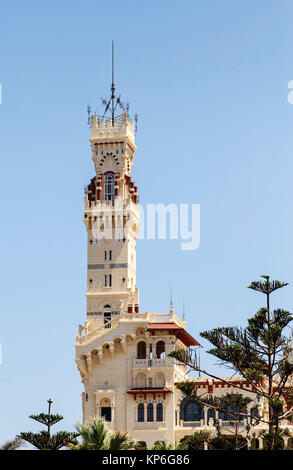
x=171, y=298
x=111, y=104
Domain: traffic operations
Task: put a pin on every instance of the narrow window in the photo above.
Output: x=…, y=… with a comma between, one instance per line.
x=140, y=413
x=105, y=280
x=150, y=412
x=106, y=413
x=110, y=255
x=160, y=350
x=110, y=280
x=109, y=187
x=105, y=256
x=141, y=350
x=107, y=319
x=159, y=412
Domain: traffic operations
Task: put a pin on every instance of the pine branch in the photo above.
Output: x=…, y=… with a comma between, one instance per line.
x=267, y=287
x=47, y=420
x=43, y=440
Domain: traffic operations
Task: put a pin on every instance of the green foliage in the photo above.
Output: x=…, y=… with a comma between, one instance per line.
x=13, y=444
x=237, y=402
x=47, y=419
x=44, y=440
x=121, y=441
x=195, y=441
x=162, y=445
x=258, y=352
x=96, y=436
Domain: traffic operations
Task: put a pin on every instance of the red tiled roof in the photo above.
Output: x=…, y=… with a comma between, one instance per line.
x=176, y=330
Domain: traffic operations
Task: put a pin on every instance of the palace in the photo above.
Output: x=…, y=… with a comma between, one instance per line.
x=122, y=354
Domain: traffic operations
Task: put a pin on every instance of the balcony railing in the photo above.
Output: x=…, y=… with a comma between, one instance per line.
x=146, y=363
x=191, y=424
x=230, y=424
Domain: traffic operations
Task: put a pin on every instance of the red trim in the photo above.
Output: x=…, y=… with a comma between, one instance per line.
x=175, y=330
x=145, y=391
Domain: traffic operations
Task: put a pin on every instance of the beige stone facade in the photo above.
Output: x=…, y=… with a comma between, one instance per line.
x=122, y=353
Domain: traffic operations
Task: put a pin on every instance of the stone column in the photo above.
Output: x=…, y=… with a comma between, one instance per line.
x=205, y=413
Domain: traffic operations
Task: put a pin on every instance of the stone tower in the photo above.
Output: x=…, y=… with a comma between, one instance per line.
x=111, y=218
x=121, y=352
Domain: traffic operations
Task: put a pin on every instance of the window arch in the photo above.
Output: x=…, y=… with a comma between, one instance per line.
x=228, y=413
x=140, y=413
x=191, y=410
x=160, y=349
x=141, y=350
x=109, y=187
x=106, y=410
x=159, y=412
x=160, y=380
x=150, y=412
x=141, y=381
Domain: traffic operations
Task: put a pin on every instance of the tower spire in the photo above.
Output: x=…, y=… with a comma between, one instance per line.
x=111, y=104
x=113, y=86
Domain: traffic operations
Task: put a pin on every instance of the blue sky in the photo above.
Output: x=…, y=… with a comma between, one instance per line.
x=209, y=81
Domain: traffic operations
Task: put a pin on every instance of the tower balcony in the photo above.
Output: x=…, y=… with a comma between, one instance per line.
x=104, y=130
x=147, y=363
x=89, y=334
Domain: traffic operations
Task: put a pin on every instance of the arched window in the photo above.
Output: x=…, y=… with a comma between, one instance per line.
x=106, y=410
x=160, y=380
x=191, y=411
x=140, y=413
x=109, y=187
x=160, y=349
x=141, y=350
x=159, y=412
x=150, y=412
x=228, y=413
x=141, y=381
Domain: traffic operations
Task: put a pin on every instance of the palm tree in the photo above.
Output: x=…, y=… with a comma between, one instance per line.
x=97, y=436
x=121, y=441
x=13, y=444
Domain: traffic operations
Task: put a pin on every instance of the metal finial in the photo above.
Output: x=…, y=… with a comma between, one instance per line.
x=136, y=121
x=114, y=101
x=113, y=86
x=171, y=298
x=88, y=115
